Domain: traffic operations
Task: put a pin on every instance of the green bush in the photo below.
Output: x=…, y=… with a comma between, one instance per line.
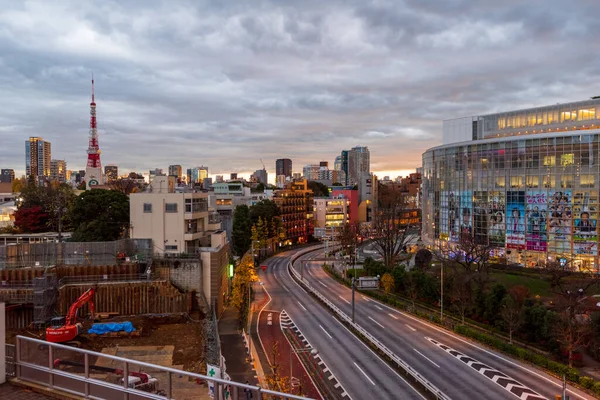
x=596, y=388
x=586, y=382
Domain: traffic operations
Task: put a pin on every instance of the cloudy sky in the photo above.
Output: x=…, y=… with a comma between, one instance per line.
x=227, y=83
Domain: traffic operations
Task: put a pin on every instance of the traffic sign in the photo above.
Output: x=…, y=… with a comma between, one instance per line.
x=263, y=267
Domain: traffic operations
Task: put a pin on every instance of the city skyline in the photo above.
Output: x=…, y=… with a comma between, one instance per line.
x=228, y=85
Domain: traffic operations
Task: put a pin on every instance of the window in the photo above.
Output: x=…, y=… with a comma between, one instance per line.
x=586, y=181
x=567, y=159
x=550, y=182
x=549, y=161
x=171, y=207
x=171, y=247
x=532, y=181
x=196, y=205
x=500, y=182
x=147, y=207
x=566, y=181
x=516, y=181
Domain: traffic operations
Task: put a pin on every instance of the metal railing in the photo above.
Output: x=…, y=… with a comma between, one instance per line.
x=40, y=362
x=374, y=341
x=80, y=279
x=10, y=360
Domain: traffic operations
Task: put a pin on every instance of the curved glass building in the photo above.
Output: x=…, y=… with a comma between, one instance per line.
x=526, y=182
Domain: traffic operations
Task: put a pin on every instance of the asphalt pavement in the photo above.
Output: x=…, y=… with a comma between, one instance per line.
x=457, y=366
x=359, y=371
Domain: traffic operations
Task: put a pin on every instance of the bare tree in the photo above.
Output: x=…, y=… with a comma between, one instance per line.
x=461, y=293
x=512, y=309
x=126, y=186
x=412, y=287
x=390, y=224
x=347, y=236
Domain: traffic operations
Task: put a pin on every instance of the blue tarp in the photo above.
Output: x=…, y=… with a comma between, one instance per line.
x=100, y=329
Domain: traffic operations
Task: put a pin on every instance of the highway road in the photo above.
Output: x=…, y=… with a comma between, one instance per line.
x=362, y=374
x=458, y=367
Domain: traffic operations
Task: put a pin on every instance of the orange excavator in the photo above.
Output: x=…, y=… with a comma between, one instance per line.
x=64, y=330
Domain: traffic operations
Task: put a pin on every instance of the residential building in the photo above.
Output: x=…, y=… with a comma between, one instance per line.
x=7, y=175
x=283, y=166
x=181, y=223
x=37, y=158
x=525, y=182
x=261, y=176
x=176, y=171
x=295, y=203
x=58, y=171
x=351, y=196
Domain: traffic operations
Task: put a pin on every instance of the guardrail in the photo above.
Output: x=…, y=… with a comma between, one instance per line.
x=37, y=361
x=374, y=341
x=81, y=279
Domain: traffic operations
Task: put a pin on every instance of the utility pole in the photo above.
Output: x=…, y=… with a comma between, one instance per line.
x=442, y=295
x=353, y=287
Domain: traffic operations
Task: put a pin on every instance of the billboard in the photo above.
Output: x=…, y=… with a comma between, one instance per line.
x=585, y=213
x=453, y=216
x=496, y=219
x=535, y=219
x=559, y=221
x=515, y=224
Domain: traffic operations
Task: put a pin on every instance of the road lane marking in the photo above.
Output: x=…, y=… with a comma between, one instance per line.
x=363, y=372
x=301, y=305
x=322, y=283
x=377, y=322
x=410, y=327
x=379, y=308
x=344, y=299
x=425, y=357
x=281, y=284
x=365, y=298
x=327, y=333
x=393, y=316
x=506, y=382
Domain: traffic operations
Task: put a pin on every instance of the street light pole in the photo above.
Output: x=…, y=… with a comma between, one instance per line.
x=353, y=287
x=442, y=295
x=312, y=351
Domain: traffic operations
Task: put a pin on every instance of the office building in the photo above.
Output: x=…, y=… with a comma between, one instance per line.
x=176, y=171
x=283, y=166
x=233, y=176
x=524, y=182
x=295, y=203
x=37, y=158
x=261, y=176
x=7, y=175
x=311, y=172
x=58, y=171
x=111, y=172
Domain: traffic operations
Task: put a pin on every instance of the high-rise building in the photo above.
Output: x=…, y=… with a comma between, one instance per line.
x=7, y=175
x=93, y=170
x=344, y=167
x=37, y=158
x=261, y=176
x=283, y=166
x=296, y=205
x=111, y=172
x=176, y=171
x=233, y=176
x=359, y=164
x=58, y=171
x=219, y=179
x=311, y=172
x=202, y=173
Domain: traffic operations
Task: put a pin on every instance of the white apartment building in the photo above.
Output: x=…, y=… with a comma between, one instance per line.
x=329, y=214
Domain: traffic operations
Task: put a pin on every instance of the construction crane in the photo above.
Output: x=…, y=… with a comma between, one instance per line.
x=64, y=330
x=135, y=380
x=263, y=164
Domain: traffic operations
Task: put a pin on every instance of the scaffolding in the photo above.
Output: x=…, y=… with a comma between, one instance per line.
x=45, y=294
x=211, y=333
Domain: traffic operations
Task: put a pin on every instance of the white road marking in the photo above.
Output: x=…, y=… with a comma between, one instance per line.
x=365, y=298
x=425, y=357
x=344, y=299
x=379, y=308
x=322, y=283
x=377, y=322
x=410, y=327
x=281, y=284
x=327, y=333
x=301, y=305
x=363, y=372
x=393, y=316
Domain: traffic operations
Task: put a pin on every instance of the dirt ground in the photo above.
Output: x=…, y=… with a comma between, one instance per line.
x=186, y=335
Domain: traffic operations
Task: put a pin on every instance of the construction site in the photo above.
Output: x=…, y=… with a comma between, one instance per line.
x=58, y=292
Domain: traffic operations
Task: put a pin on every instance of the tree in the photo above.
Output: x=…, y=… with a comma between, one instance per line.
x=265, y=209
x=31, y=219
x=100, y=215
x=241, y=230
x=18, y=184
x=318, y=189
x=412, y=286
x=461, y=293
x=347, y=236
x=243, y=276
x=512, y=309
x=126, y=186
x=387, y=281
x=389, y=225
x=423, y=258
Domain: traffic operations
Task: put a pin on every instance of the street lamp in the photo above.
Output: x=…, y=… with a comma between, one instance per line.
x=441, y=291
x=294, y=350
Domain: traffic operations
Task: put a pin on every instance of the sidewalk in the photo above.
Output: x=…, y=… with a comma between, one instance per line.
x=233, y=348
x=13, y=392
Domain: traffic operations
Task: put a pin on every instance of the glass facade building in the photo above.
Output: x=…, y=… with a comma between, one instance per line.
x=526, y=182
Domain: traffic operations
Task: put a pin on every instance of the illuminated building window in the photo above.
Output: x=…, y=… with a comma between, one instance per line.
x=516, y=181
x=566, y=181
x=586, y=181
x=550, y=182
x=567, y=159
x=500, y=182
x=532, y=181
x=549, y=161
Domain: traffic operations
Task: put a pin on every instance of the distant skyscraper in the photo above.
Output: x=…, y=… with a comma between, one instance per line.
x=7, y=175
x=93, y=170
x=261, y=176
x=202, y=173
x=311, y=172
x=58, y=171
x=359, y=164
x=111, y=172
x=324, y=164
x=37, y=158
x=196, y=175
x=283, y=166
x=233, y=176
x=219, y=179
x=176, y=170
x=344, y=167
x=337, y=164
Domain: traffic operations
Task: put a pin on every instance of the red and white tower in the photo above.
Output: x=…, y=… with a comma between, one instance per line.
x=93, y=170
